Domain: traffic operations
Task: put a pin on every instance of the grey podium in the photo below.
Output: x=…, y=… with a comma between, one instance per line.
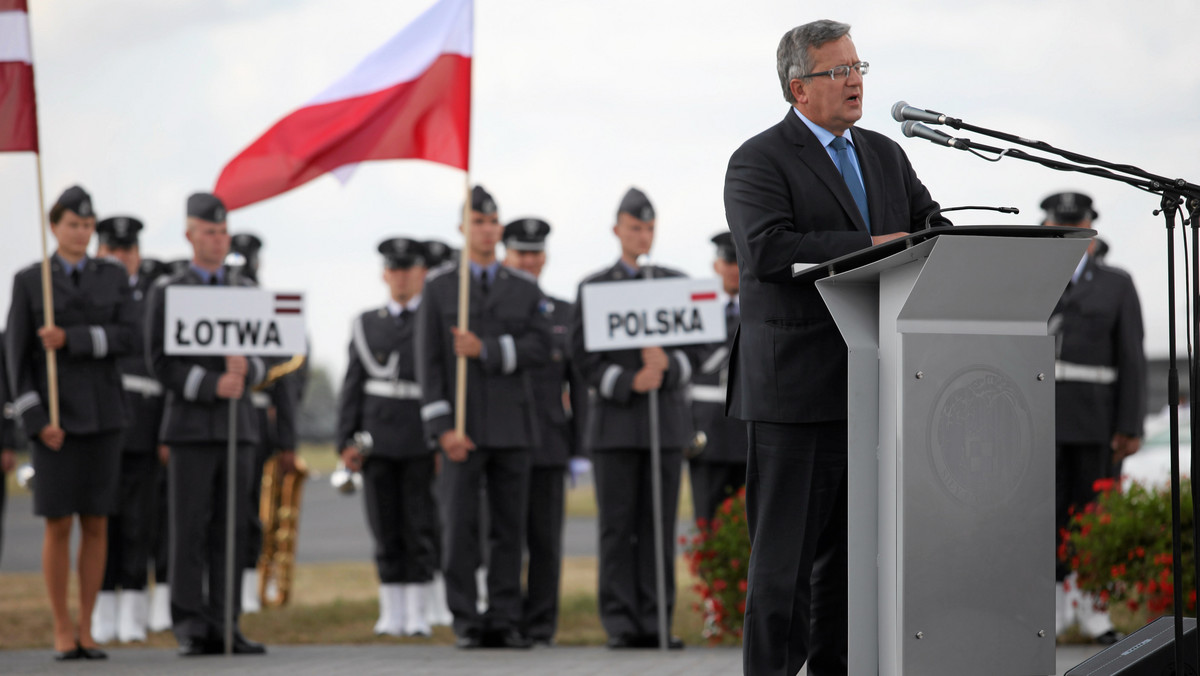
x=951, y=447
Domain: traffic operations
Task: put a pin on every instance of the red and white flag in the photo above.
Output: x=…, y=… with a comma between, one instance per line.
x=18, y=111
x=410, y=99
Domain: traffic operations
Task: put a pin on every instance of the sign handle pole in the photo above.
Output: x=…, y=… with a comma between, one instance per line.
x=230, y=523
x=656, y=490
x=47, y=303
x=464, y=311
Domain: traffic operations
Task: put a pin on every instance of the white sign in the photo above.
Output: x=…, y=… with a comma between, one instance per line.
x=652, y=312
x=222, y=320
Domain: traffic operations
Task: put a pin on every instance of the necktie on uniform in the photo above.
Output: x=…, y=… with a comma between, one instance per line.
x=850, y=176
x=75, y=276
x=484, y=281
x=213, y=281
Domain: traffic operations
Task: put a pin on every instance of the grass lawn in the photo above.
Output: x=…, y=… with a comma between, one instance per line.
x=337, y=603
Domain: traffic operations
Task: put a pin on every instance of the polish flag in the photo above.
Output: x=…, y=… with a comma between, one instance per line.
x=18, y=111
x=410, y=99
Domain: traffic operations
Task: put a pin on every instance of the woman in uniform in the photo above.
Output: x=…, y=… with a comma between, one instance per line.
x=77, y=461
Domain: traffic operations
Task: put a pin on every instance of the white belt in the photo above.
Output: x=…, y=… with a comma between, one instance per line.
x=141, y=384
x=1084, y=373
x=713, y=394
x=393, y=389
x=260, y=399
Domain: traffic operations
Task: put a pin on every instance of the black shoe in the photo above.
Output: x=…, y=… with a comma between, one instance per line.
x=622, y=642
x=91, y=653
x=68, y=655
x=195, y=647
x=244, y=646
x=469, y=641
x=1109, y=637
x=651, y=641
x=507, y=638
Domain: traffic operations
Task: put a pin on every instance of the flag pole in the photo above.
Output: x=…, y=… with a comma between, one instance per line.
x=47, y=297
x=464, y=309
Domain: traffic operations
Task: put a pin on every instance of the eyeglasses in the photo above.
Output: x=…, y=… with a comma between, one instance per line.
x=840, y=72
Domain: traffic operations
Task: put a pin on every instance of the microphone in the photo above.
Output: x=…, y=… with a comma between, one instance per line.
x=901, y=111
x=938, y=212
x=916, y=129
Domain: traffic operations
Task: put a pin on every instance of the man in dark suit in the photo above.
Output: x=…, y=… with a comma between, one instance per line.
x=1100, y=390
x=806, y=190
x=196, y=428
x=719, y=470
x=508, y=336
x=617, y=433
x=553, y=384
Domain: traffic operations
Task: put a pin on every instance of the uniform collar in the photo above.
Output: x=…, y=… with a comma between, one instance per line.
x=395, y=308
x=67, y=267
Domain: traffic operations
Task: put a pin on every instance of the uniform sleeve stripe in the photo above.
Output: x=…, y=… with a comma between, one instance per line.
x=508, y=354
x=685, y=366
x=608, y=383
x=99, y=342
x=25, y=402
x=435, y=410
x=191, y=387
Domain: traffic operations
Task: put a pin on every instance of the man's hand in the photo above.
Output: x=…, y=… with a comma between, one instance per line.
x=53, y=338
x=456, y=447
x=655, y=357
x=52, y=436
x=237, y=365
x=466, y=344
x=231, y=385
x=880, y=239
x=164, y=454
x=8, y=461
x=1124, y=446
x=647, y=379
x=352, y=458
x=286, y=460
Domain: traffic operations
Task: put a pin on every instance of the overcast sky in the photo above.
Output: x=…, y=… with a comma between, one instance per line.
x=143, y=102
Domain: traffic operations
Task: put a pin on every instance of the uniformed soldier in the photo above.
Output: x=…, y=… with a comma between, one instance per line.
x=8, y=437
x=380, y=396
x=508, y=336
x=275, y=404
x=556, y=391
x=122, y=615
x=196, y=428
x=719, y=469
x=77, y=462
x=617, y=433
x=1100, y=389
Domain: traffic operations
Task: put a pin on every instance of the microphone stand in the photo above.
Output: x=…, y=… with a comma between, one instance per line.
x=1171, y=192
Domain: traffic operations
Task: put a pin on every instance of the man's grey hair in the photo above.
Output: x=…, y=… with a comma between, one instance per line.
x=792, y=58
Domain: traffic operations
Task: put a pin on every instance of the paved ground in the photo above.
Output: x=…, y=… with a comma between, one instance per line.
x=418, y=661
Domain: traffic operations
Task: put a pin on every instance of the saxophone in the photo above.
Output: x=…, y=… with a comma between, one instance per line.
x=279, y=509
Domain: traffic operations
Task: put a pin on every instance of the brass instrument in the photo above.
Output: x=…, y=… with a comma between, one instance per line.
x=280, y=370
x=279, y=509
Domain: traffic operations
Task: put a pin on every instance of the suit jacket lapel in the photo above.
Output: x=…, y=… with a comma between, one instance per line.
x=814, y=155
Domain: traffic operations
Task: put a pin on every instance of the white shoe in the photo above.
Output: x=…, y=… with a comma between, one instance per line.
x=131, y=616
x=481, y=602
x=415, y=621
x=391, y=610
x=104, y=617
x=160, y=608
x=250, y=602
x=436, y=610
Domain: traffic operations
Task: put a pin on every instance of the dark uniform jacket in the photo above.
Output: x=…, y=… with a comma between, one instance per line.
x=8, y=427
x=787, y=203
x=617, y=417
x=516, y=338
x=101, y=324
x=559, y=425
x=1098, y=323
x=380, y=394
x=726, y=436
x=194, y=414
x=143, y=394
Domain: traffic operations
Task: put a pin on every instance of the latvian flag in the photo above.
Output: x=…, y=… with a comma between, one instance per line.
x=410, y=99
x=18, y=112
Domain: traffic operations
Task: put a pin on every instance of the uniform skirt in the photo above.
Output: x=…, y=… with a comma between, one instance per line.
x=80, y=478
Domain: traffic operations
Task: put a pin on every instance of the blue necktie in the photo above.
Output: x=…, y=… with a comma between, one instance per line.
x=850, y=176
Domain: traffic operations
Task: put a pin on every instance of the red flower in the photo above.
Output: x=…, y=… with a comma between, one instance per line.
x=742, y=588
x=1103, y=485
